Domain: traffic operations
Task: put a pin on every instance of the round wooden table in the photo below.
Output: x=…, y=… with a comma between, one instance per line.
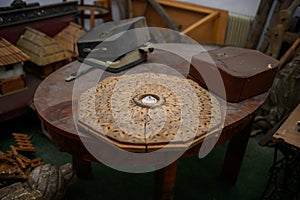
x=53, y=101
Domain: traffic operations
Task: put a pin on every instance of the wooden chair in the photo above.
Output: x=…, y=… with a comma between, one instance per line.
x=92, y=12
x=107, y=5
x=100, y=10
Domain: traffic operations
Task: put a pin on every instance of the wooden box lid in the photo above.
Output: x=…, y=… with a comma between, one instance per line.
x=244, y=72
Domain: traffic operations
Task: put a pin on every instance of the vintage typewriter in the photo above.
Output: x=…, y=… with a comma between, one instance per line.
x=114, y=46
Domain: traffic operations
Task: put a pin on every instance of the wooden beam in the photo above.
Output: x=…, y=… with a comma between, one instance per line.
x=259, y=23
x=202, y=21
x=164, y=15
x=285, y=58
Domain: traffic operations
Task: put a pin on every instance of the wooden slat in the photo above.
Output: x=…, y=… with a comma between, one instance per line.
x=188, y=17
x=10, y=54
x=186, y=6
x=202, y=21
x=289, y=129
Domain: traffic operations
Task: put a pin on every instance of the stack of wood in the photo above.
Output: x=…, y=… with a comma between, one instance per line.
x=13, y=164
x=12, y=76
x=46, y=54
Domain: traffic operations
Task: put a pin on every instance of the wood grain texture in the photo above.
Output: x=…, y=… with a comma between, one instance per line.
x=54, y=98
x=185, y=111
x=288, y=132
x=203, y=24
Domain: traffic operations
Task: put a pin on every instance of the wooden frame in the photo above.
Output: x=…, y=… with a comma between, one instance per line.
x=203, y=24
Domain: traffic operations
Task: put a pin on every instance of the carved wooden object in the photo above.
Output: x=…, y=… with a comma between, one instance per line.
x=280, y=32
x=159, y=110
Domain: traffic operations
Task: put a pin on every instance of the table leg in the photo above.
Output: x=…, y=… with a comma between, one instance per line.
x=235, y=154
x=165, y=182
x=82, y=168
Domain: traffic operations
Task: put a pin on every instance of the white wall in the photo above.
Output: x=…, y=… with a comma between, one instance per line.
x=245, y=7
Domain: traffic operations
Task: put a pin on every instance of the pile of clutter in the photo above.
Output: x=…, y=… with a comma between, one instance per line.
x=22, y=176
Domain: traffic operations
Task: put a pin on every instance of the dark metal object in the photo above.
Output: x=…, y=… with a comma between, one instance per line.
x=17, y=4
x=116, y=66
x=284, y=174
x=115, y=46
x=112, y=39
x=12, y=17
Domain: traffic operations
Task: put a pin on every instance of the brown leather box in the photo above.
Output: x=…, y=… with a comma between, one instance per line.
x=244, y=72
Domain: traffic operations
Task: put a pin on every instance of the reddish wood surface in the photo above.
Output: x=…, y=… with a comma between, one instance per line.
x=21, y=99
x=165, y=181
x=53, y=101
x=288, y=132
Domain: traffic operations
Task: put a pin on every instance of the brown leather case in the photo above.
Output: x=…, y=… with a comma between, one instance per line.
x=245, y=72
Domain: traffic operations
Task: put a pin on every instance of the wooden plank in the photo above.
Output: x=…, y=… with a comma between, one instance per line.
x=14, y=151
x=273, y=21
x=285, y=58
x=220, y=26
x=186, y=6
x=190, y=18
x=259, y=23
x=289, y=129
x=202, y=21
x=163, y=14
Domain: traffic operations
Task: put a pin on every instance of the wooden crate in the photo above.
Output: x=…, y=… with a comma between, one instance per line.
x=203, y=24
x=12, y=84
